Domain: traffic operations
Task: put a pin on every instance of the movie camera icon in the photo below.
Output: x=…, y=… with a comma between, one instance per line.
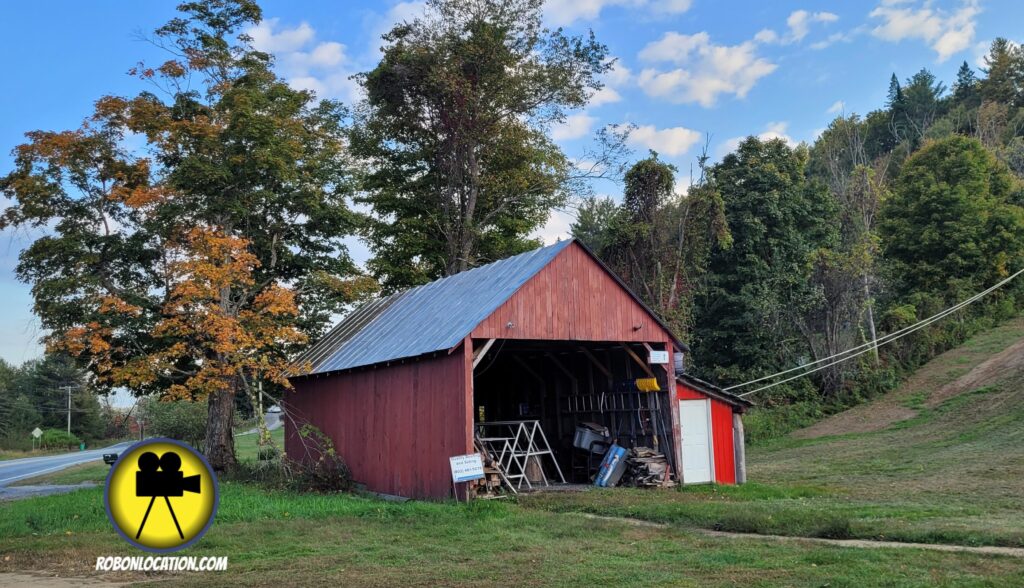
x=168, y=481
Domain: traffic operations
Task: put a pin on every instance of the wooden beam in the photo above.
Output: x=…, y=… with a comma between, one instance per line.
x=526, y=367
x=479, y=355
x=643, y=365
x=561, y=367
x=604, y=370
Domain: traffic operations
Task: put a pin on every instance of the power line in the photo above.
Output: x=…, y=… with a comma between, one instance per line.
x=871, y=345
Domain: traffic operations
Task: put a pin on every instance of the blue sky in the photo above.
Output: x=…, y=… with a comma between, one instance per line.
x=686, y=69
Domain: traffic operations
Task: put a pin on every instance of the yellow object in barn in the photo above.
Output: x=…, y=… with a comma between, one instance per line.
x=647, y=385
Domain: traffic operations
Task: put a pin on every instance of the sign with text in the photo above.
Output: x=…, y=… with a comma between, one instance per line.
x=658, y=357
x=37, y=432
x=467, y=467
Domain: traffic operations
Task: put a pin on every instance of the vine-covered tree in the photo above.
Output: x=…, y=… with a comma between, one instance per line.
x=455, y=127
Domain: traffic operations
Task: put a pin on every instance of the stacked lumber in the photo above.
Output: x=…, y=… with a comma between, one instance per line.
x=647, y=468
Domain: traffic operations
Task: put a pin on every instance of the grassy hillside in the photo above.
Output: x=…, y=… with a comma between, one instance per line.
x=940, y=460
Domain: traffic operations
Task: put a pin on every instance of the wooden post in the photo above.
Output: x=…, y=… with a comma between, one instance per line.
x=739, y=450
x=643, y=365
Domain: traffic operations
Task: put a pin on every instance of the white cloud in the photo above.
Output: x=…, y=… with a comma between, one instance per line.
x=265, y=39
x=606, y=95
x=673, y=142
x=705, y=70
x=946, y=32
x=799, y=22
x=837, y=107
x=835, y=38
x=773, y=130
x=619, y=75
x=566, y=12
x=381, y=24
x=574, y=127
x=766, y=36
x=557, y=227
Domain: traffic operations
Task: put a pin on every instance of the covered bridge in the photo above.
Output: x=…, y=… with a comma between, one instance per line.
x=549, y=336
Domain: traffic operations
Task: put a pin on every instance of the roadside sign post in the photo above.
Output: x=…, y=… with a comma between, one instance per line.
x=466, y=468
x=36, y=434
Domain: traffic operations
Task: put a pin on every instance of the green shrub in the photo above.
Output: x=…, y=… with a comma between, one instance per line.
x=178, y=419
x=58, y=439
x=268, y=453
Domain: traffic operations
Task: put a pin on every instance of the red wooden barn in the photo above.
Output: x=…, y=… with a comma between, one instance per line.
x=550, y=336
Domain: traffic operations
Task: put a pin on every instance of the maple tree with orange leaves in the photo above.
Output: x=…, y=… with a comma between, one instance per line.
x=195, y=268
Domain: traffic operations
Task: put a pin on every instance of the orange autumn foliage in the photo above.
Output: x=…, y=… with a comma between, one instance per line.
x=220, y=326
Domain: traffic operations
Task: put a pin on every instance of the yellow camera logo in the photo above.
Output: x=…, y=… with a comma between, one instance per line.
x=161, y=495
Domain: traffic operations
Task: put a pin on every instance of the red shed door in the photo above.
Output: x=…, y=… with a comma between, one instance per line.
x=694, y=420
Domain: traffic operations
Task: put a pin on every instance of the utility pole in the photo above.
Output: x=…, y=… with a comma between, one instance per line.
x=69, y=388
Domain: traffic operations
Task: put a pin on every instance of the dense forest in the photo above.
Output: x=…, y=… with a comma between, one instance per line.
x=195, y=266
x=778, y=257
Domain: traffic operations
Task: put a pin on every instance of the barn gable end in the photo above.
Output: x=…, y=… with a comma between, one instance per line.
x=573, y=298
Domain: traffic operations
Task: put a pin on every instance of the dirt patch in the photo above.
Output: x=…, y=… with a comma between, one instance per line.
x=868, y=544
x=954, y=372
x=997, y=367
x=865, y=418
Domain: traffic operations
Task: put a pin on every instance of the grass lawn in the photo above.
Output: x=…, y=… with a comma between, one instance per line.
x=246, y=446
x=952, y=472
x=275, y=539
x=86, y=472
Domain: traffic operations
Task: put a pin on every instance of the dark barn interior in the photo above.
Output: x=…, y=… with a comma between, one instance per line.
x=562, y=384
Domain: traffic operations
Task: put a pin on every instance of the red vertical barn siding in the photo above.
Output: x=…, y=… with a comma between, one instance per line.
x=572, y=299
x=395, y=426
x=721, y=432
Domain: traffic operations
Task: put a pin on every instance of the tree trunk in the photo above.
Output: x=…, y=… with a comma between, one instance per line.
x=220, y=443
x=871, y=318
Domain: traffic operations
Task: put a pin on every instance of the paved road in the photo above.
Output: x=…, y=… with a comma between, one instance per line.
x=12, y=470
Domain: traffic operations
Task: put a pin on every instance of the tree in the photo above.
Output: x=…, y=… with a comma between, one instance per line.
x=758, y=286
x=176, y=419
x=1004, y=69
x=922, y=103
x=658, y=241
x=596, y=223
x=949, y=229
x=195, y=272
x=46, y=383
x=965, y=89
x=454, y=129
x=844, y=276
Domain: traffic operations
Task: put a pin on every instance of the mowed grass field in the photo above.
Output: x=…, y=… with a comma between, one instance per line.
x=951, y=471
x=948, y=469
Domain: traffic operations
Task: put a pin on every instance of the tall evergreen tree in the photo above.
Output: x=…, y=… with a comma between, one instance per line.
x=965, y=89
x=922, y=103
x=1004, y=69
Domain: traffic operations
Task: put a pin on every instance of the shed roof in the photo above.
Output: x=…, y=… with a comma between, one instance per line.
x=433, y=317
x=714, y=391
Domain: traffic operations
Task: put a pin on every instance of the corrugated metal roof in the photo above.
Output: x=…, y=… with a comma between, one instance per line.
x=425, y=319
